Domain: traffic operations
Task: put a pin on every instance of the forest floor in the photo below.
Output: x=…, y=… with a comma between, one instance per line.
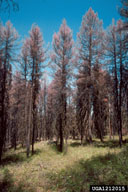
x=74, y=170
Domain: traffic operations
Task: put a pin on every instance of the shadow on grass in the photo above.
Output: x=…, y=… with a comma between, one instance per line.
x=111, y=169
x=55, y=148
x=13, y=158
x=75, y=144
x=78, y=143
x=7, y=184
x=109, y=143
x=18, y=157
x=37, y=152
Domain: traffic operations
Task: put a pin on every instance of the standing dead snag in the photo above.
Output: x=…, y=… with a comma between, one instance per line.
x=117, y=52
x=90, y=50
x=37, y=57
x=62, y=55
x=8, y=37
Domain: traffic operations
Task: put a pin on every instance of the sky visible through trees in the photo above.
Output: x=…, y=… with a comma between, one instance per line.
x=48, y=14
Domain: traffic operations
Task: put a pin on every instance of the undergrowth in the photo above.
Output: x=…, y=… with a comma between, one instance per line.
x=72, y=171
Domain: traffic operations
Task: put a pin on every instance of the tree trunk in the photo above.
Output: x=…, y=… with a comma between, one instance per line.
x=34, y=121
x=29, y=124
x=61, y=134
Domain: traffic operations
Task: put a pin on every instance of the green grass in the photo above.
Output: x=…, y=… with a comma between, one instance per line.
x=72, y=171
